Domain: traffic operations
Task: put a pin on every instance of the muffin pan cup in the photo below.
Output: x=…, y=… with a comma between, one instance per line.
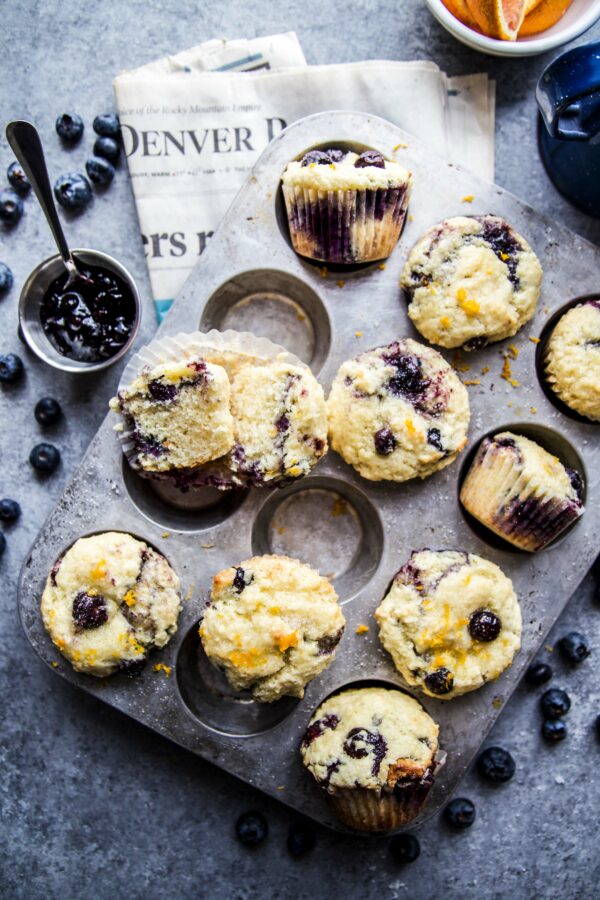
x=357, y=531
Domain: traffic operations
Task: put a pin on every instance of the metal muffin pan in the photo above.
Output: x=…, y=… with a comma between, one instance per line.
x=356, y=531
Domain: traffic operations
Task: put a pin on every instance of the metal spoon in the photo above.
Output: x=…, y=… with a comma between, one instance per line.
x=27, y=147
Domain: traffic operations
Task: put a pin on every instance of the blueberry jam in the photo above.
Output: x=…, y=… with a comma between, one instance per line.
x=89, y=611
x=360, y=743
x=504, y=244
x=408, y=379
x=92, y=320
x=317, y=728
x=328, y=643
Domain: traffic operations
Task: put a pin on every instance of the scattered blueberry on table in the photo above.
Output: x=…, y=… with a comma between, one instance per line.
x=460, y=813
x=554, y=730
x=6, y=279
x=47, y=411
x=2, y=543
x=107, y=147
x=555, y=703
x=11, y=207
x=404, y=848
x=69, y=127
x=574, y=647
x=11, y=367
x=100, y=170
x=301, y=839
x=496, y=765
x=598, y=726
x=107, y=125
x=44, y=458
x=9, y=510
x=17, y=178
x=73, y=191
x=251, y=828
x=538, y=673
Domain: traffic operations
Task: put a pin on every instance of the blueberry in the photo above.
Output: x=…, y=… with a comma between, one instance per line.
x=434, y=437
x=301, y=838
x=2, y=543
x=460, y=813
x=385, y=441
x=538, y=673
x=11, y=207
x=404, y=848
x=251, y=828
x=335, y=155
x=108, y=148
x=11, y=367
x=47, y=411
x=89, y=611
x=241, y=579
x=496, y=764
x=133, y=667
x=574, y=647
x=370, y=158
x=69, y=127
x=100, y=170
x=598, y=726
x=554, y=730
x=555, y=703
x=6, y=279
x=484, y=626
x=17, y=178
x=9, y=510
x=439, y=682
x=107, y=125
x=45, y=458
x=73, y=191
x=317, y=157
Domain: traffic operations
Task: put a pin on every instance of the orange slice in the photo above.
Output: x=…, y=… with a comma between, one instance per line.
x=544, y=15
x=498, y=18
x=530, y=5
x=460, y=11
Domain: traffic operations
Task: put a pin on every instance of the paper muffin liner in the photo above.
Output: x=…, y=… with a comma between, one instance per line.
x=345, y=226
x=230, y=349
x=503, y=497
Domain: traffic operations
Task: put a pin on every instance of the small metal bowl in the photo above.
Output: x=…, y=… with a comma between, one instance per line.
x=31, y=298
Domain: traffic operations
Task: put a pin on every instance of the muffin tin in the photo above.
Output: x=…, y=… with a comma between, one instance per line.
x=356, y=531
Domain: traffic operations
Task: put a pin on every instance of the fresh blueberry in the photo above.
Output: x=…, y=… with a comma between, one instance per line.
x=11, y=207
x=555, y=703
x=45, y=458
x=460, y=813
x=6, y=279
x=47, y=411
x=441, y=681
x=11, y=367
x=496, y=764
x=108, y=148
x=69, y=127
x=316, y=157
x=574, y=647
x=554, y=730
x=301, y=838
x=251, y=828
x=73, y=191
x=385, y=441
x=538, y=673
x=17, y=178
x=9, y=510
x=100, y=170
x=107, y=125
x=370, y=158
x=89, y=611
x=484, y=626
x=598, y=726
x=2, y=543
x=404, y=848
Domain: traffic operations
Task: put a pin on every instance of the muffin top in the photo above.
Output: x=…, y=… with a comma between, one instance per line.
x=572, y=359
x=109, y=600
x=451, y=621
x=471, y=280
x=369, y=738
x=272, y=623
x=398, y=412
x=333, y=169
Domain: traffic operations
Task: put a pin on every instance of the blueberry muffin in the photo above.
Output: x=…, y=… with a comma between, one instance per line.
x=272, y=624
x=398, y=412
x=375, y=752
x=177, y=415
x=572, y=359
x=451, y=622
x=471, y=280
x=521, y=492
x=344, y=207
x=109, y=601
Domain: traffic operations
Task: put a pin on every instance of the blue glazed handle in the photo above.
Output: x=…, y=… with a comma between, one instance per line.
x=568, y=94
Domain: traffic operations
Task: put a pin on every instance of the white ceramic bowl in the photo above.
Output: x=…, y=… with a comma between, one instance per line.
x=580, y=16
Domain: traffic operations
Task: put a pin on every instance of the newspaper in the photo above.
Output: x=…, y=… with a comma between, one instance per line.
x=194, y=124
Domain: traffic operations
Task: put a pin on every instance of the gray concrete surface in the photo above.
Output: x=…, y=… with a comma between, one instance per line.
x=93, y=805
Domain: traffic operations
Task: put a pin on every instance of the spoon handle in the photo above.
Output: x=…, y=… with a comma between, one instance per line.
x=27, y=147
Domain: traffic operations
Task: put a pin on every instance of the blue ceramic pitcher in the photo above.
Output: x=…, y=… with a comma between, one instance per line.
x=568, y=96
